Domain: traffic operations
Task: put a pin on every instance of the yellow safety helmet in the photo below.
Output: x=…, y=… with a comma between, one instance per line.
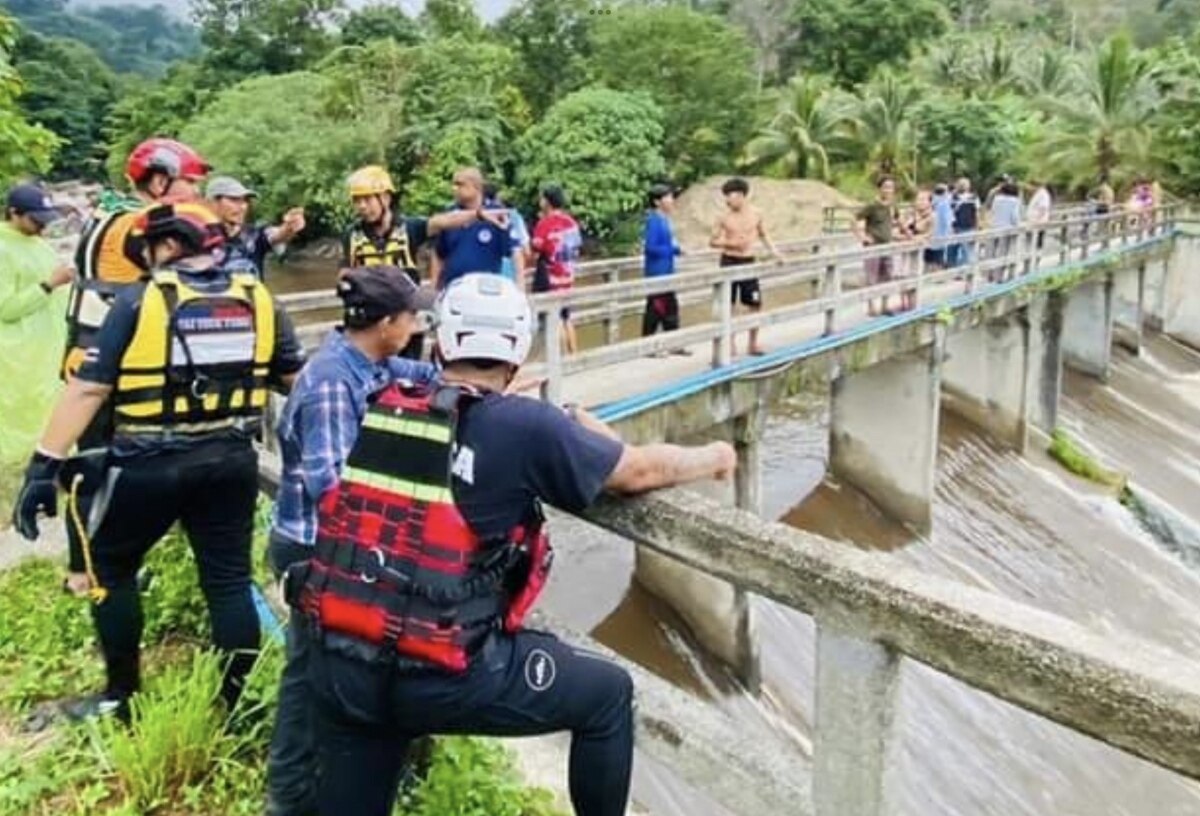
x=370, y=180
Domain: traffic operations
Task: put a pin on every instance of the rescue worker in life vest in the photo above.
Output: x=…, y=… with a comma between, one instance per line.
x=108, y=262
x=431, y=549
x=382, y=236
x=317, y=429
x=186, y=358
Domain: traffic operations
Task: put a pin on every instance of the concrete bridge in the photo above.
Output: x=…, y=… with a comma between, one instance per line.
x=988, y=341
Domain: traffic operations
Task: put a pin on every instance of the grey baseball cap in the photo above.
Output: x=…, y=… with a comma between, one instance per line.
x=229, y=187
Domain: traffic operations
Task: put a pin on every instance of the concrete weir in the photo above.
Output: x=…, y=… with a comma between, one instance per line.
x=883, y=431
x=1179, y=302
x=984, y=377
x=718, y=614
x=1088, y=327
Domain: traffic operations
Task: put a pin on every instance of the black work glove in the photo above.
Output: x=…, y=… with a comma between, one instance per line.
x=39, y=494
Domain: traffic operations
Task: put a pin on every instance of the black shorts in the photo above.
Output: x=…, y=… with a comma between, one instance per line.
x=661, y=310
x=745, y=291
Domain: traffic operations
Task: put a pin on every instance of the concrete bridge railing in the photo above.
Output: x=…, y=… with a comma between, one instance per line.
x=871, y=614
x=1005, y=253
x=612, y=272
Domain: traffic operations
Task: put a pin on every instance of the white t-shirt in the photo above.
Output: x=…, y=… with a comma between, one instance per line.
x=1039, y=206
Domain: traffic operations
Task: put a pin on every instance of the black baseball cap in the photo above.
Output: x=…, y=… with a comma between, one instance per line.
x=32, y=200
x=376, y=292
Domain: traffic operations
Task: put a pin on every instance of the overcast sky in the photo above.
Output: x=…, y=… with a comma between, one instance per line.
x=488, y=9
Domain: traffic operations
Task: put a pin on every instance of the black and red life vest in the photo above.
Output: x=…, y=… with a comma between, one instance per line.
x=396, y=564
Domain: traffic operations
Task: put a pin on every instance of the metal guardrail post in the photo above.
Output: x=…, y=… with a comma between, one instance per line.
x=1064, y=245
x=552, y=387
x=1030, y=250
x=723, y=313
x=612, y=321
x=831, y=289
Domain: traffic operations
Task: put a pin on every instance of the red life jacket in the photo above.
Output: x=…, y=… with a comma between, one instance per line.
x=396, y=564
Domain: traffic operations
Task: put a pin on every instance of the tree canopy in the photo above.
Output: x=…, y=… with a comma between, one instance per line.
x=697, y=67
x=24, y=147
x=603, y=147
x=69, y=90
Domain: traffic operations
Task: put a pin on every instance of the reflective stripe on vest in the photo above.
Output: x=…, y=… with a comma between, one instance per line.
x=198, y=360
x=396, y=564
x=394, y=251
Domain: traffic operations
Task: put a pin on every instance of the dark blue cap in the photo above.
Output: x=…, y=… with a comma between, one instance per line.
x=32, y=200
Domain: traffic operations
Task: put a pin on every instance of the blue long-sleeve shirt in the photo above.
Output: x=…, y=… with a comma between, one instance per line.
x=320, y=424
x=660, y=246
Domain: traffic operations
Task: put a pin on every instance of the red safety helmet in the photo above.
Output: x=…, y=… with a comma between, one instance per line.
x=168, y=156
x=195, y=225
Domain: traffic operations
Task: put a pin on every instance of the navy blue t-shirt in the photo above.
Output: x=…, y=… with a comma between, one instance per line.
x=513, y=450
x=251, y=244
x=480, y=247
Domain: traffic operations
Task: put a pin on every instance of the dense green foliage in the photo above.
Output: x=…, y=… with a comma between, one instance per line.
x=310, y=149
x=130, y=39
x=849, y=41
x=183, y=755
x=603, y=146
x=24, y=147
x=1066, y=91
x=698, y=68
x=69, y=90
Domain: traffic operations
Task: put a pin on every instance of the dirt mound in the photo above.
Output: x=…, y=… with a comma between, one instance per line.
x=792, y=208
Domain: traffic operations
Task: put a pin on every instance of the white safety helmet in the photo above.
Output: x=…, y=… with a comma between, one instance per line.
x=482, y=316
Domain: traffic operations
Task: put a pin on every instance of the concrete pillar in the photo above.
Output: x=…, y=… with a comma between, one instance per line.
x=719, y=615
x=1044, y=317
x=984, y=377
x=883, y=431
x=747, y=441
x=855, y=705
x=1181, y=312
x=1088, y=327
x=1155, y=303
x=1129, y=296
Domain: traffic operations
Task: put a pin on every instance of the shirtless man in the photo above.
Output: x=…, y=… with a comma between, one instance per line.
x=735, y=234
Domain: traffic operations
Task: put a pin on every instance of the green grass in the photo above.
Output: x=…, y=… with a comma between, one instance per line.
x=1067, y=453
x=182, y=755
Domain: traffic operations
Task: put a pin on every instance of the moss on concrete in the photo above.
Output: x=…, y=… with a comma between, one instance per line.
x=1067, y=453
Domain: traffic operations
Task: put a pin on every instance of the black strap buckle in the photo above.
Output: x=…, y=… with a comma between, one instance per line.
x=200, y=386
x=382, y=564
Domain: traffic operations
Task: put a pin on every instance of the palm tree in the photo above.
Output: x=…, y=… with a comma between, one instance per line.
x=802, y=133
x=994, y=66
x=1105, y=127
x=883, y=121
x=1053, y=72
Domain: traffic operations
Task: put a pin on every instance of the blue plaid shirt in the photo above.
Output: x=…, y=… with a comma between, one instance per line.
x=320, y=423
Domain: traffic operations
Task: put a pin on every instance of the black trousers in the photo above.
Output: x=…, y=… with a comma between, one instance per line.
x=211, y=491
x=661, y=310
x=521, y=685
x=292, y=758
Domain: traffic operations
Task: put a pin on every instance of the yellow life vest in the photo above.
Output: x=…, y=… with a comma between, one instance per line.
x=105, y=269
x=198, y=360
x=395, y=250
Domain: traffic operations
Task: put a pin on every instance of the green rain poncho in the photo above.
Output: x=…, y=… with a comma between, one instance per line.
x=32, y=333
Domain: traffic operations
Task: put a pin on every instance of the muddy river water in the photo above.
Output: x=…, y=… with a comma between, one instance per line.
x=1018, y=526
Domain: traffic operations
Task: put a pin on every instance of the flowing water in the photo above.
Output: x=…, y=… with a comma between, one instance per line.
x=1017, y=526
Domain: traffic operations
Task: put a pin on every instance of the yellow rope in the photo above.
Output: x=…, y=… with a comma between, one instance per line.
x=96, y=592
